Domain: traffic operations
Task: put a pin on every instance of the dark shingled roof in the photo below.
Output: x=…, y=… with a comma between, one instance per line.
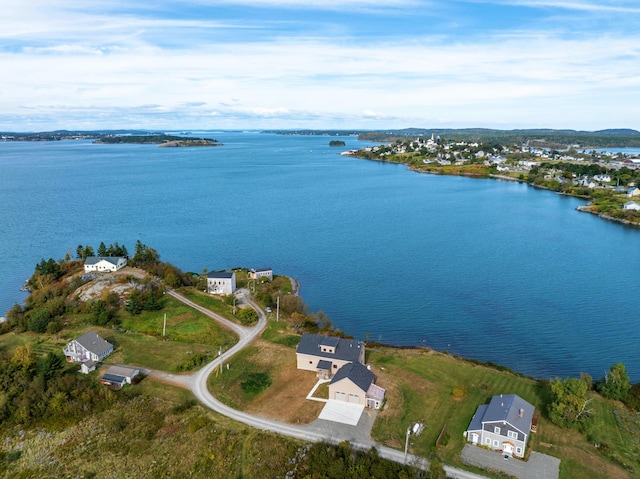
x=221, y=275
x=114, y=378
x=476, y=421
x=324, y=365
x=507, y=407
x=356, y=373
x=345, y=349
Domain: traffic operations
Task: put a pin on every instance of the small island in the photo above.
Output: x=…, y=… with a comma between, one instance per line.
x=160, y=140
x=337, y=143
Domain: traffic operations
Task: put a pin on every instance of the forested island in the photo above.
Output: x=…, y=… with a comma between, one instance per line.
x=161, y=140
x=112, y=137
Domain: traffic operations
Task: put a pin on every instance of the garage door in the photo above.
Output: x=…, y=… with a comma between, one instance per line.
x=354, y=398
x=341, y=396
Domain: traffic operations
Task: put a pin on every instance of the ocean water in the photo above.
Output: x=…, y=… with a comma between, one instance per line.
x=487, y=269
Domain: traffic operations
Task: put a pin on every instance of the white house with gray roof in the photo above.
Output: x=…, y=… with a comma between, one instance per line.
x=88, y=347
x=221, y=282
x=104, y=264
x=503, y=425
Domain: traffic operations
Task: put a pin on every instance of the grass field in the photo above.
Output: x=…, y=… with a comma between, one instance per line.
x=420, y=388
x=214, y=303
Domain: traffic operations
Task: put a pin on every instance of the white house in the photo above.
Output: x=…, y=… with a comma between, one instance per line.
x=631, y=205
x=221, y=282
x=261, y=273
x=503, y=425
x=104, y=263
x=88, y=347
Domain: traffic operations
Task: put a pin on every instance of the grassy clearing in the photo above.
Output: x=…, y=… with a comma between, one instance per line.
x=278, y=333
x=184, y=324
x=214, y=303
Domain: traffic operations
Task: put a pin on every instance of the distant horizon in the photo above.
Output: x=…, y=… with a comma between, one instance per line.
x=301, y=128
x=294, y=64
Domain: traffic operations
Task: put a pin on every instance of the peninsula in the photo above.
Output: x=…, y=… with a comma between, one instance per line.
x=608, y=180
x=235, y=353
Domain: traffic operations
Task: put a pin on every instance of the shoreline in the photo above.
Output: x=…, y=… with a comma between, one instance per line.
x=583, y=209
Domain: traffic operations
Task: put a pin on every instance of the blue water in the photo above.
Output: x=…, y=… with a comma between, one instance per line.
x=487, y=269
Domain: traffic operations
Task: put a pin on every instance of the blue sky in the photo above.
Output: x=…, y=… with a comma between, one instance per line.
x=205, y=64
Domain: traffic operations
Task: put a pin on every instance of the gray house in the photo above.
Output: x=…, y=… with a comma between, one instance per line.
x=88, y=347
x=503, y=425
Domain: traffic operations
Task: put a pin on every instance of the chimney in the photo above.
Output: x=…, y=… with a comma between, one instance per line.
x=521, y=412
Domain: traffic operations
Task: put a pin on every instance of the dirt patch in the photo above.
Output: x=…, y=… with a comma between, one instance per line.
x=289, y=387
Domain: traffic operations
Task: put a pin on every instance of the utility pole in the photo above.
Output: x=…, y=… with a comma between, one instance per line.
x=164, y=326
x=278, y=308
x=406, y=444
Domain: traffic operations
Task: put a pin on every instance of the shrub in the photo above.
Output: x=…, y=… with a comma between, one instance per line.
x=255, y=383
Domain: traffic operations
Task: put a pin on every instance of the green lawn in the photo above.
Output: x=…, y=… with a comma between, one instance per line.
x=420, y=387
x=277, y=332
x=214, y=303
x=184, y=324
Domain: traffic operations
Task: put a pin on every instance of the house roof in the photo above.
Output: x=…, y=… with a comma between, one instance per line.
x=324, y=365
x=375, y=392
x=476, y=420
x=357, y=373
x=345, y=349
x=109, y=259
x=93, y=343
x=123, y=371
x=114, y=378
x=512, y=409
x=220, y=275
x=260, y=270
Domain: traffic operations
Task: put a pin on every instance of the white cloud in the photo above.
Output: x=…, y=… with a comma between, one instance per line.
x=66, y=60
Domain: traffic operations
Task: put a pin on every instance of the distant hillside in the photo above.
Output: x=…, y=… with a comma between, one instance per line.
x=611, y=138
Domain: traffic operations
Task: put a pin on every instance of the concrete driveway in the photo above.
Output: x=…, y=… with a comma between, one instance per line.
x=343, y=412
x=539, y=466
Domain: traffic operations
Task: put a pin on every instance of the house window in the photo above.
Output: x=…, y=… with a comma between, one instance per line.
x=335, y=366
x=310, y=362
x=495, y=443
x=496, y=430
x=519, y=450
x=512, y=434
x=488, y=441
